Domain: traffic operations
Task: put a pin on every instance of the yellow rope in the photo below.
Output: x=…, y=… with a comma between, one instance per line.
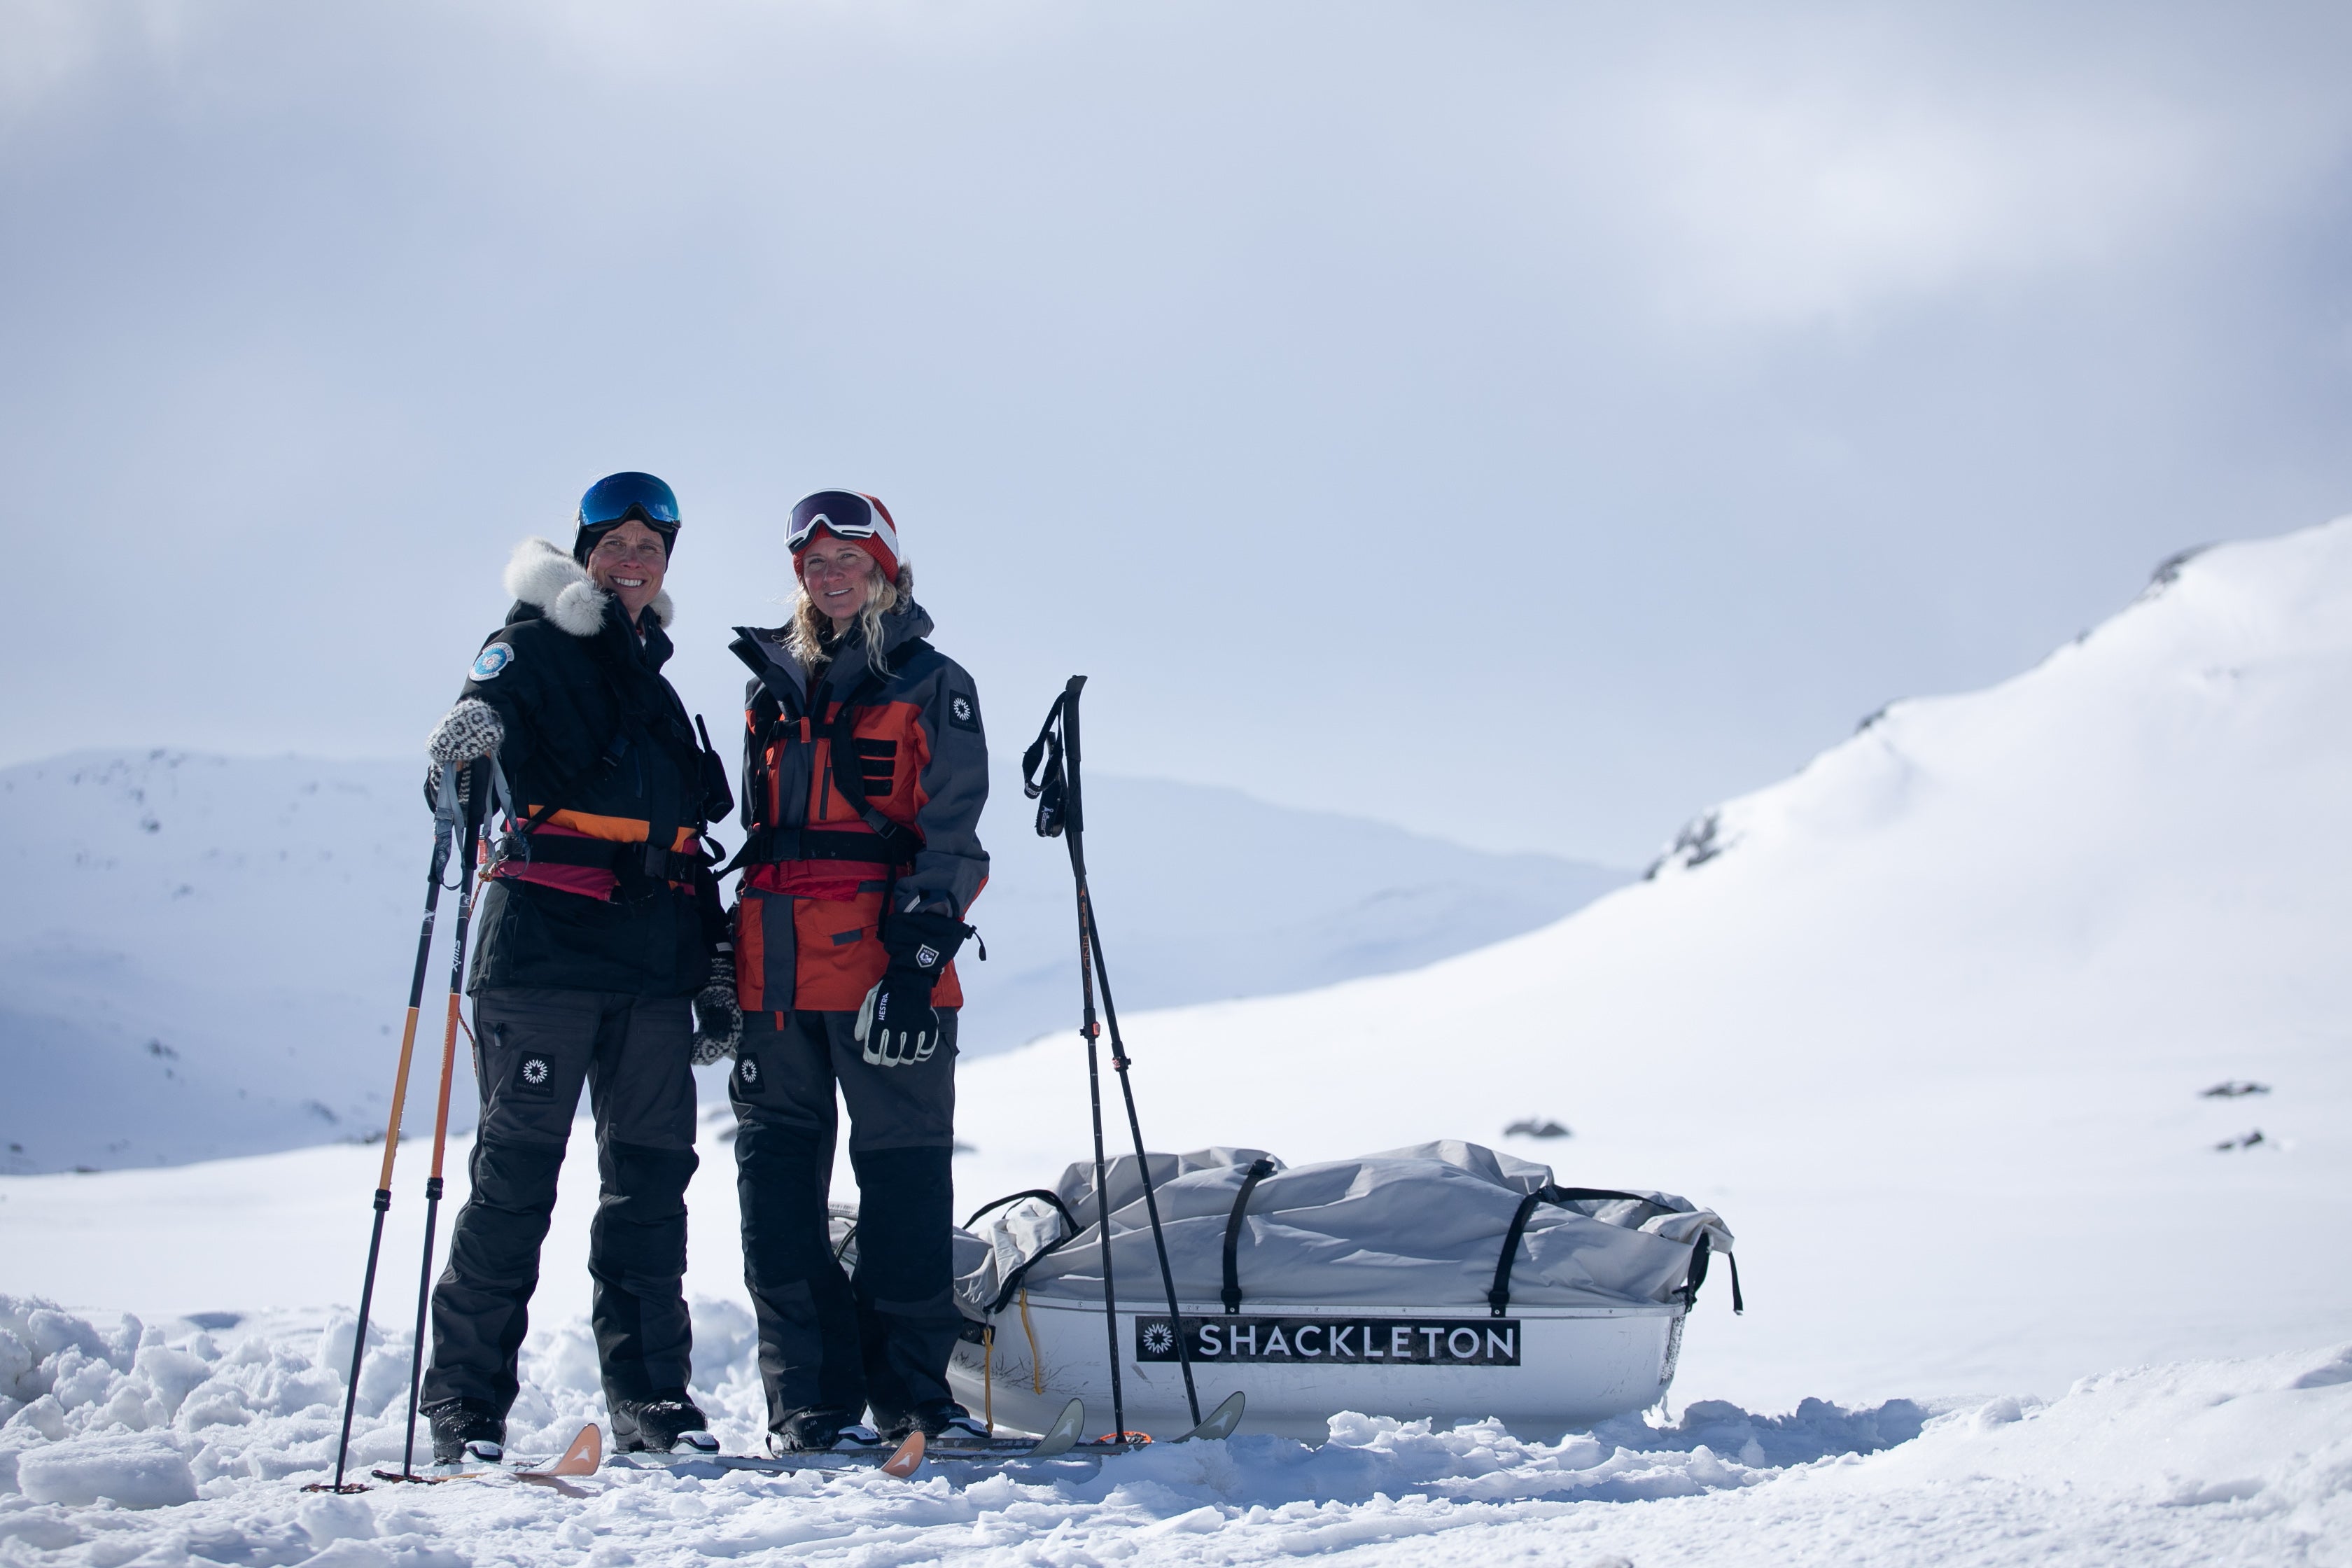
x=1037, y=1367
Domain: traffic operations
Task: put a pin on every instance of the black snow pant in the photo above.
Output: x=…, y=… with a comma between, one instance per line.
x=533, y=1050
x=829, y=1341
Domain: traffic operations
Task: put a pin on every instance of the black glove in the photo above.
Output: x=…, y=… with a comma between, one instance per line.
x=718, y=1016
x=897, y=1024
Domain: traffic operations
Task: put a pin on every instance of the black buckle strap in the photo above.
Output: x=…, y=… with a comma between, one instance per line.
x=1260, y=1169
x=632, y=857
x=767, y=846
x=1499, y=1299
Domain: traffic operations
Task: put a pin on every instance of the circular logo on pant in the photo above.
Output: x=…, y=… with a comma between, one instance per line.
x=534, y=1070
x=749, y=1070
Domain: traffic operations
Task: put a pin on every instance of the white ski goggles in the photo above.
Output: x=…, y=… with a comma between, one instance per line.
x=845, y=514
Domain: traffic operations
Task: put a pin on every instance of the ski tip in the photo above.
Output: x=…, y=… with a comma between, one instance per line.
x=586, y=1452
x=908, y=1459
x=1219, y=1423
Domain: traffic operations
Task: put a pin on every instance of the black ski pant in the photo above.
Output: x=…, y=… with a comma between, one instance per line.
x=829, y=1340
x=533, y=1050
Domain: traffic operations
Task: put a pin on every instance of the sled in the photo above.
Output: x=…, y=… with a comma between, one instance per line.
x=1544, y=1372
x=1445, y=1283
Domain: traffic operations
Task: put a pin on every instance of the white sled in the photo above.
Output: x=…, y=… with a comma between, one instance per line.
x=1376, y=1285
x=1572, y=1366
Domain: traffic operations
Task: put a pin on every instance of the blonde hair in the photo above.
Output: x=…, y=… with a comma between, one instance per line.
x=809, y=637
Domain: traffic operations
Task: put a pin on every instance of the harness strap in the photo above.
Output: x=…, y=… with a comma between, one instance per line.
x=1499, y=1299
x=1260, y=1169
x=647, y=858
x=768, y=845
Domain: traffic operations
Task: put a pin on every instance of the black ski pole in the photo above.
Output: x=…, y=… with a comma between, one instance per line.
x=441, y=1130
x=444, y=833
x=1064, y=810
x=1102, y=1179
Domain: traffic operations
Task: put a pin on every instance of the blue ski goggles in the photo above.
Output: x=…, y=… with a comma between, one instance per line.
x=616, y=498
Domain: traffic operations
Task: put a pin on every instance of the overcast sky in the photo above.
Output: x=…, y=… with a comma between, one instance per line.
x=1526, y=423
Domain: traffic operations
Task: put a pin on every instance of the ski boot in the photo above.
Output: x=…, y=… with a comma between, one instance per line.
x=467, y=1431
x=942, y=1419
x=667, y=1423
x=821, y=1432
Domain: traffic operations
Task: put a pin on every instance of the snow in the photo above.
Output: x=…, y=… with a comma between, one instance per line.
x=2214, y=1461
x=1929, y=1026
x=1932, y=1025
x=206, y=956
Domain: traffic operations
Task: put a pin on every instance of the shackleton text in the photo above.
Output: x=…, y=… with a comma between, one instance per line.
x=1350, y=1341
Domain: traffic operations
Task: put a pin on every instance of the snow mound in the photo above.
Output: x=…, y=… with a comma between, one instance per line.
x=1935, y=1018
x=2248, y=1460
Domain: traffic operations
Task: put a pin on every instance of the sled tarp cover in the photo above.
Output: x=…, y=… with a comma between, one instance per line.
x=1422, y=1226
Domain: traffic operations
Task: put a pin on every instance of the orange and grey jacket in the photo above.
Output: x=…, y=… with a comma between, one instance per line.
x=862, y=792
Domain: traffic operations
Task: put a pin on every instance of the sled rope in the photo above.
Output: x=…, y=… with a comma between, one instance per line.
x=1037, y=1367
x=988, y=1377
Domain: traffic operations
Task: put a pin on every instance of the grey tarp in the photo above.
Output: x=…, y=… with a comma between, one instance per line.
x=1422, y=1226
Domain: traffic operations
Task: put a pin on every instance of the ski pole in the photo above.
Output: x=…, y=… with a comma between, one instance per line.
x=441, y=1124
x=1065, y=810
x=444, y=833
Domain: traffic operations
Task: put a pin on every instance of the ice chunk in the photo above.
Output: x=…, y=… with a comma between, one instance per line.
x=135, y=1472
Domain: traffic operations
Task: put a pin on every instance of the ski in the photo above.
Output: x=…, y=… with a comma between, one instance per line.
x=1220, y=1423
x=1060, y=1441
x=579, y=1458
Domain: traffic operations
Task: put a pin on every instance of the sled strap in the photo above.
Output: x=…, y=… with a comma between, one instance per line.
x=1039, y=1193
x=1017, y=1280
x=1260, y=1169
x=1498, y=1300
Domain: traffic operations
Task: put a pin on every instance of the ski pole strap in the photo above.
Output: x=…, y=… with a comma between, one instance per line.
x=1499, y=1298
x=1043, y=778
x=1260, y=1169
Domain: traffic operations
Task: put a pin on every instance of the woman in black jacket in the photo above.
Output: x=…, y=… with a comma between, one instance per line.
x=599, y=921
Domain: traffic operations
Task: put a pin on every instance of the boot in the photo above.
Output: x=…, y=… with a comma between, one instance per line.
x=668, y=1423
x=467, y=1431
x=819, y=1431
x=938, y=1418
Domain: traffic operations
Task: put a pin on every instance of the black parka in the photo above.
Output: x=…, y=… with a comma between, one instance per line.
x=599, y=753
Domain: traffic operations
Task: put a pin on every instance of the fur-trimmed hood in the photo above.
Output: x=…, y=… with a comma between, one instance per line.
x=543, y=575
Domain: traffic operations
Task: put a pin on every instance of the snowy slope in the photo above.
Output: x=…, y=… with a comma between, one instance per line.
x=1928, y=1023
x=206, y=956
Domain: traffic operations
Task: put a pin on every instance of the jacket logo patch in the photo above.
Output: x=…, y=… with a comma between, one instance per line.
x=925, y=955
x=491, y=660
x=964, y=711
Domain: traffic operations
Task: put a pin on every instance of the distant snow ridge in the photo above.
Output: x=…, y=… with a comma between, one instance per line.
x=201, y=1436
x=206, y=956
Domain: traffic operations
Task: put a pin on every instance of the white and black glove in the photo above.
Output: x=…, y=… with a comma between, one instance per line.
x=470, y=730
x=718, y=1016
x=897, y=1024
